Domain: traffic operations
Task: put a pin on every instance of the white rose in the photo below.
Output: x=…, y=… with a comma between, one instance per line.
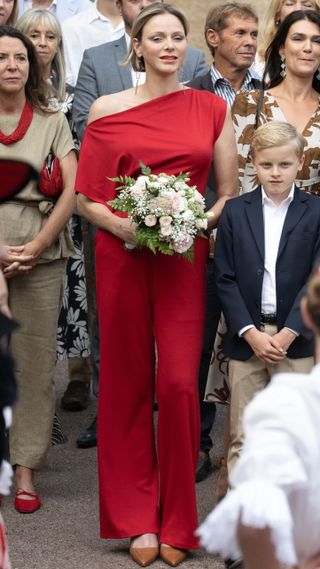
x=188, y=215
x=163, y=179
x=150, y=220
x=183, y=243
x=180, y=186
x=141, y=182
x=198, y=197
x=166, y=230
x=201, y=223
x=165, y=220
x=179, y=203
x=137, y=191
x=167, y=193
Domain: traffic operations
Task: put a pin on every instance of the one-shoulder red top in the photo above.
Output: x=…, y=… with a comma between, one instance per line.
x=171, y=134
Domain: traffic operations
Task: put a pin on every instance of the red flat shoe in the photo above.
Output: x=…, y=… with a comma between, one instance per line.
x=26, y=506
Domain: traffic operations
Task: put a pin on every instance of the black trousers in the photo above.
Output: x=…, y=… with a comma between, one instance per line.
x=213, y=312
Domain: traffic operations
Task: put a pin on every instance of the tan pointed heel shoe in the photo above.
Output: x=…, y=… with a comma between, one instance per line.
x=144, y=556
x=172, y=555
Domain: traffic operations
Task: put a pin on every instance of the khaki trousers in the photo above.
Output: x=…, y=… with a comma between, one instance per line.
x=35, y=300
x=246, y=379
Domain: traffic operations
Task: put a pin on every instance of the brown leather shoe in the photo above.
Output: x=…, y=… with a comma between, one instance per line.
x=144, y=556
x=172, y=555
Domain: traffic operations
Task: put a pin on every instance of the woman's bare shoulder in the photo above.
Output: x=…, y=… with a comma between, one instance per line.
x=111, y=104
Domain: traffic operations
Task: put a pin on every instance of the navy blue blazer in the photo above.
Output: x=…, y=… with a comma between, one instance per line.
x=239, y=264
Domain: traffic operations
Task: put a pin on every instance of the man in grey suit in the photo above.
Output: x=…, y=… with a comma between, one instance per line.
x=63, y=9
x=102, y=73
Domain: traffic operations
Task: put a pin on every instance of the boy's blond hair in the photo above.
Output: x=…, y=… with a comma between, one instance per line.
x=276, y=133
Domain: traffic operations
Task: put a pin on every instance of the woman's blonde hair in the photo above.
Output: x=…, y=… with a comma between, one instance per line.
x=156, y=9
x=29, y=21
x=14, y=14
x=270, y=24
x=277, y=133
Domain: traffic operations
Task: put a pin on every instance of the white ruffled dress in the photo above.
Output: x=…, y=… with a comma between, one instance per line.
x=276, y=482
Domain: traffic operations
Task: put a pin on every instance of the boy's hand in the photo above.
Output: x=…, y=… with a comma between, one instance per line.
x=285, y=338
x=266, y=348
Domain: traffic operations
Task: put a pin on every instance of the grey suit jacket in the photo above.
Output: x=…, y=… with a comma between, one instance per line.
x=65, y=8
x=102, y=73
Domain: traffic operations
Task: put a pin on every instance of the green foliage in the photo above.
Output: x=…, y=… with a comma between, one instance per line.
x=147, y=237
x=145, y=170
x=189, y=255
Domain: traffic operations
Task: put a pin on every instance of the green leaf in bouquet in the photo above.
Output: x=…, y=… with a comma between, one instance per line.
x=147, y=237
x=165, y=249
x=189, y=254
x=146, y=171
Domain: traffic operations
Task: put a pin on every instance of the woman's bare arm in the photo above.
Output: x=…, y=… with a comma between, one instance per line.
x=225, y=167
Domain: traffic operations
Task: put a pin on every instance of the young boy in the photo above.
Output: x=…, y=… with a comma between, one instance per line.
x=267, y=243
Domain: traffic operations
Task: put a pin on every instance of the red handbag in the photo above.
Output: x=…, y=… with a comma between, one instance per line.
x=50, y=178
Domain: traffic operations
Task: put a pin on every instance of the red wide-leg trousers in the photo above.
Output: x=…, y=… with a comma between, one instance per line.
x=143, y=299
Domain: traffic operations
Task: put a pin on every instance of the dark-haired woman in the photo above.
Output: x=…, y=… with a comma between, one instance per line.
x=292, y=95
x=33, y=225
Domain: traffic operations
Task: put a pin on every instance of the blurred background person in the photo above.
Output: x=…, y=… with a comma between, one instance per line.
x=100, y=23
x=8, y=12
x=33, y=224
x=63, y=9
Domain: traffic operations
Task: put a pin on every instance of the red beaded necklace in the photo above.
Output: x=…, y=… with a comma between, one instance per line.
x=23, y=125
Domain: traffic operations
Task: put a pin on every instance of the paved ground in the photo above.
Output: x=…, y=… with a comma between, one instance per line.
x=64, y=534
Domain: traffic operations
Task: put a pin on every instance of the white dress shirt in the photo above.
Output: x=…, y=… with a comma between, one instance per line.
x=87, y=29
x=138, y=78
x=274, y=217
x=52, y=8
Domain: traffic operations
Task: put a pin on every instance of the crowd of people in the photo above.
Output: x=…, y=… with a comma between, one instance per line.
x=88, y=92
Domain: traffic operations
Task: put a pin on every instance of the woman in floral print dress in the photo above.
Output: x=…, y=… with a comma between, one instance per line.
x=292, y=95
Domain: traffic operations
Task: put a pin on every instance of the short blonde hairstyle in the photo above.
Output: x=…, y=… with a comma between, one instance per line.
x=29, y=21
x=156, y=9
x=14, y=14
x=276, y=133
x=271, y=22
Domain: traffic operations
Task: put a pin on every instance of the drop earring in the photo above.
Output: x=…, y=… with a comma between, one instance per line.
x=318, y=74
x=138, y=74
x=283, y=67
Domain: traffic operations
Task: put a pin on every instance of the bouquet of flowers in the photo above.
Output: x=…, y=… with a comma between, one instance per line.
x=168, y=212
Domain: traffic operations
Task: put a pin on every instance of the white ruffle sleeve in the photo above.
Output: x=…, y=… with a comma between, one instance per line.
x=257, y=504
x=269, y=478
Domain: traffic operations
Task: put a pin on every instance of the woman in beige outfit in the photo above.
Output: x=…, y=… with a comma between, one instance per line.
x=34, y=228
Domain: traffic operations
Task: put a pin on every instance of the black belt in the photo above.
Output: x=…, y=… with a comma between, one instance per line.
x=268, y=318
